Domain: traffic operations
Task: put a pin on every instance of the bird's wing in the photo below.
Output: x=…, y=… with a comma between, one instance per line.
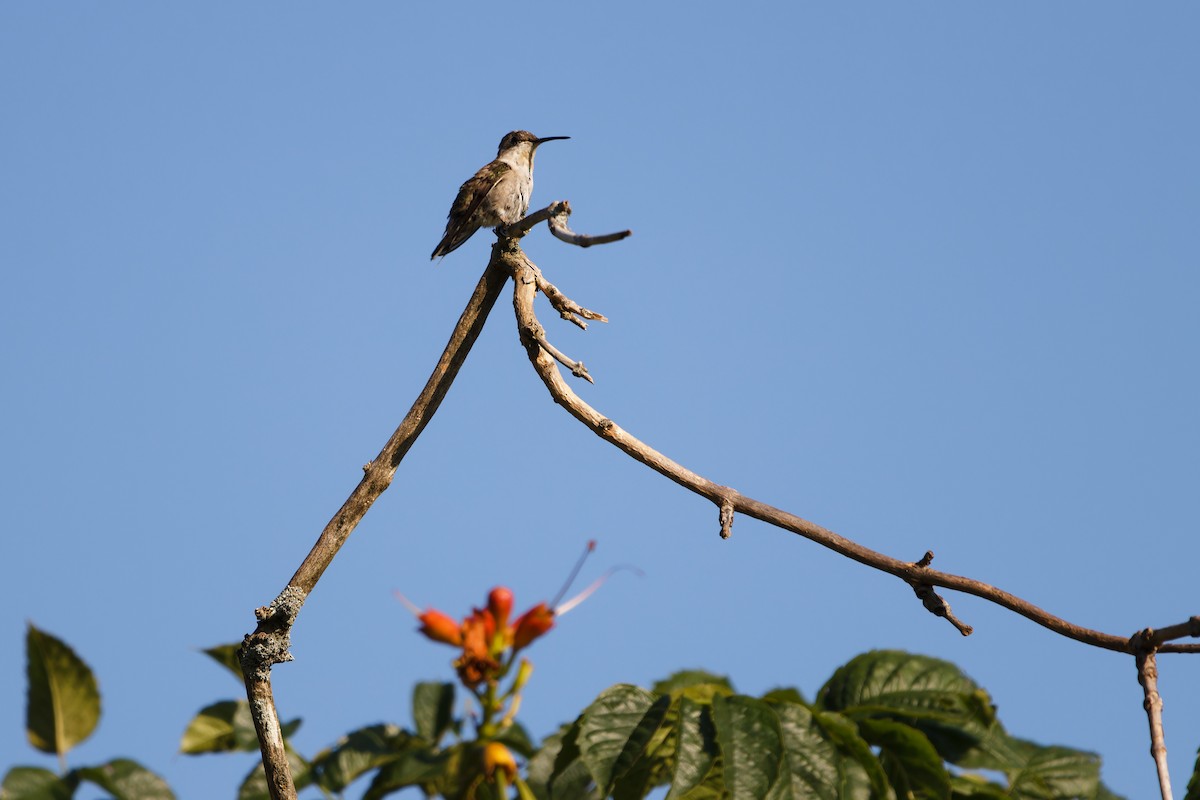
x=466, y=203
x=477, y=187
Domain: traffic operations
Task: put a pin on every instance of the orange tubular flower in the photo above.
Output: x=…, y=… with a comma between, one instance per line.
x=440, y=627
x=477, y=631
x=500, y=602
x=533, y=623
x=476, y=663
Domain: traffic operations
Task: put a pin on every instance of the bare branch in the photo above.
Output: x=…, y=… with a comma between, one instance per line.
x=1159, y=636
x=576, y=367
x=380, y=471
x=556, y=215
x=1147, y=666
x=270, y=642
x=1145, y=646
x=558, y=227
x=915, y=574
x=270, y=738
x=526, y=223
x=934, y=603
x=567, y=308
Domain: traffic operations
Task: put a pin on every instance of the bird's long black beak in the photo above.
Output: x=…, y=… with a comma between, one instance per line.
x=537, y=142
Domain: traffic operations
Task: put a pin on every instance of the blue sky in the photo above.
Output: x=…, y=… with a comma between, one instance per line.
x=923, y=273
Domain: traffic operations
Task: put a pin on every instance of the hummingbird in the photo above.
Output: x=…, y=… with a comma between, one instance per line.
x=498, y=194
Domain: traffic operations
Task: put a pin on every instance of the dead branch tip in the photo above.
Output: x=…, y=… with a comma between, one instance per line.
x=726, y=518
x=936, y=604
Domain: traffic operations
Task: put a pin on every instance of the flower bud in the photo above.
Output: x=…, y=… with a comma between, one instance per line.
x=532, y=624
x=524, y=673
x=440, y=627
x=498, y=757
x=500, y=603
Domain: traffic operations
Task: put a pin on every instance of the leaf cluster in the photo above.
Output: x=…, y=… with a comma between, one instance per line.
x=62, y=709
x=887, y=724
x=432, y=755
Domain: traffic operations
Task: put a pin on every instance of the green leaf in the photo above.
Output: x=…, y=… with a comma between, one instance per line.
x=540, y=768
x=254, y=785
x=426, y=767
x=713, y=787
x=854, y=781
x=433, y=707
x=988, y=748
x=976, y=787
x=63, y=703
x=35, y=783
x=557, y=771
x=859, y=763
x=914, y=767
x=976, y=740
x=686, y=678
x=574, y=783
x=695, y=747
x=901, y=682
x=127, y=780
x=751, y=745
x=810, y=759
x=615, y=729
x=220, y=728
x=517, y=739
x=785, y=694
x=227, y=656
x=358, y=752
x=696, y=685
x=1055, y=772
x=657, y=762
x=639, y=780
x=654, y=767
x=927, y=693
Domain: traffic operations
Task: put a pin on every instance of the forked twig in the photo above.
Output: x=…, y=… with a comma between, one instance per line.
x=270, y=642
x=915, y=574
x=555, y=215
x=1144, y=647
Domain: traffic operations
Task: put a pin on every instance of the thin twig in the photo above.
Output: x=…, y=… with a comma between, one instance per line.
x=576, y=367
x=933, y=602
x=567, y=308
x=558, y=227
x=1147, y=668
x=555, y=215
x=271, y=641
x=1159, y=636
x=526, y=223
x=914, y=574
